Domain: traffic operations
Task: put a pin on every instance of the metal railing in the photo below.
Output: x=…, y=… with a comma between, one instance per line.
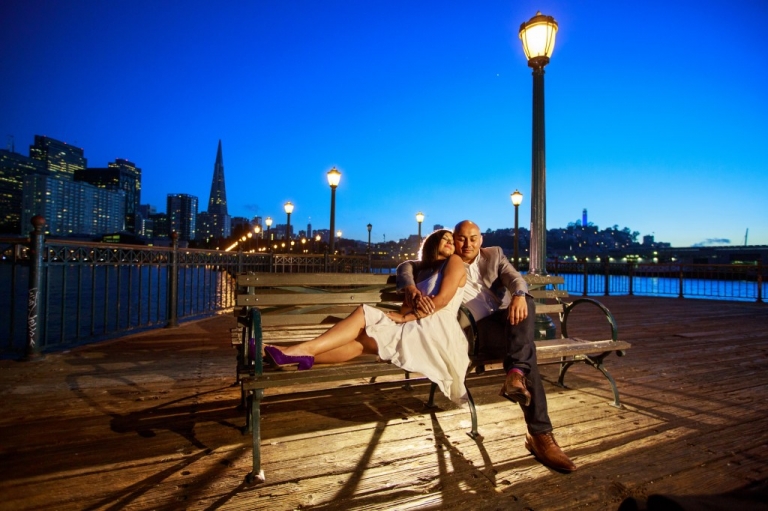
x=61, y=293
x=743, y=282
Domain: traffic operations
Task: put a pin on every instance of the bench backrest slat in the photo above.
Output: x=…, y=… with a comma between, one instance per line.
x=311, y=279
x=301, y=299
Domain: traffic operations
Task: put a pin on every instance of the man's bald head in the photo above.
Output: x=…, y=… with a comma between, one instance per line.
x=467, y=240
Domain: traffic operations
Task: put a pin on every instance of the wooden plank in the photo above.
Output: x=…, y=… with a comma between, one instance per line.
x=544, y=308
x=268, y=300
x=543, y=280
x=319, y=374
x=543, y=294
x=310, y=279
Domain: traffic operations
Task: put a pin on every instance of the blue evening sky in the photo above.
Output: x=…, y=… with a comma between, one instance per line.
x=655, y=110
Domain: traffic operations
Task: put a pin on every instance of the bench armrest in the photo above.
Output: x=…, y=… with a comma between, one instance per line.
x=570, y=306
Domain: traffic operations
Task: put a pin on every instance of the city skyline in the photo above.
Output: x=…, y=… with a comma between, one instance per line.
x=422, y=108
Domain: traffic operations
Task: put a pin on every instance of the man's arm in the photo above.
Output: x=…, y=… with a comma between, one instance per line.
x=407, y=284
x=510, y=277
x=517, y=286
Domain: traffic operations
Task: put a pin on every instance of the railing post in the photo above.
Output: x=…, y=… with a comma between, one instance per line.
x=607, y=284
x=35, y=312
x=680, y=280
x=325, y=261
x=557, y=265
x=760, y=281
x=173, y=283
x=586, y=276
x=631, y=272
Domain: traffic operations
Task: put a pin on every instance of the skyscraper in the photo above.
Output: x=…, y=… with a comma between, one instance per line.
x=182, y=215
x=119, y=175
x=60, y=158
x=13, y=168
x=72, y=208
x=217, y=204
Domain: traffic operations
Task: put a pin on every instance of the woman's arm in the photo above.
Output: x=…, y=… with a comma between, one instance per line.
x=454, y=275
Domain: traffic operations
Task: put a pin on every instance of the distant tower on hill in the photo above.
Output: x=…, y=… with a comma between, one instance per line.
x=584, y=217
x=217, y=204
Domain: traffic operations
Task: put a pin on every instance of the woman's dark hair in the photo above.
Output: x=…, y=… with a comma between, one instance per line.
x=430, y=248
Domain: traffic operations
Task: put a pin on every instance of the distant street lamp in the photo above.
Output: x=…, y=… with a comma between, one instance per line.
x=317, y=242
x=419, y=219
x=538, y=38
x=517, y=199
x=268, y=221
x=288, y=210
x=369, y=237
x=334, y=176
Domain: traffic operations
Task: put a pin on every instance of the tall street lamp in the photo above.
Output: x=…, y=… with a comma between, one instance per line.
x=334, y=176
x=517, y=199
x=538, y=38
x=317, y=242
x=419, y=219
x=369, y=226
x=268, y=221
x=288, y=210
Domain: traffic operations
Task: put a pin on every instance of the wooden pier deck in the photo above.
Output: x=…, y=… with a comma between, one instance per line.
x=149, y=421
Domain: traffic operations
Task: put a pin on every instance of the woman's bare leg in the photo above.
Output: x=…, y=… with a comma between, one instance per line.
x=344, y=341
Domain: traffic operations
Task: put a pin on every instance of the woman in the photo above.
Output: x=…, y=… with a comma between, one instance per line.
x=433, y=345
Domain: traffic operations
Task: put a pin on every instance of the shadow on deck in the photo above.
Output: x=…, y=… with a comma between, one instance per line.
x=149, y=421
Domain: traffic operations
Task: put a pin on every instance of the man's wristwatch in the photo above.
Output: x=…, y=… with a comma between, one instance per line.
x=519, y=292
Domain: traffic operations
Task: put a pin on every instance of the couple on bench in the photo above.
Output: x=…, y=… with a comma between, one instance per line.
x=424, y=336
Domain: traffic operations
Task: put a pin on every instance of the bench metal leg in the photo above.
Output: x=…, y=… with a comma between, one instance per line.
x=257, y=474
x=473, y=434
x=597, y=363
x=407, y=384
x=431, y=402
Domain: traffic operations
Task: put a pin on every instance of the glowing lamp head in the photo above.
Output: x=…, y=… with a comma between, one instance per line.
x=268, y=221
x=419, y=217
x=538, y=37
x=517, y=198
x=288, y=207
x=334, y=176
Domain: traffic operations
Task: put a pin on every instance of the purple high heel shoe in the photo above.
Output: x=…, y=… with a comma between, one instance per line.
x=285, y=362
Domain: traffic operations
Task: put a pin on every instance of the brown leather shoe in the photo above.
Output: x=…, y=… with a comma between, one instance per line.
x=514, y=389
x=545, y=448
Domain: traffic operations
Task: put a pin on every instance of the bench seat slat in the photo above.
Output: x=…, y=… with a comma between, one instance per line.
x=573, y=346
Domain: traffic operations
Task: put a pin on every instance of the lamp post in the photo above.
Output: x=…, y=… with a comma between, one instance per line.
x=288, y=210
x=419, y=219
x=334, y=176
x=257, y=231
x=538, y=38
x=268, y=221
x=517, y=199
x=369, y=226
x=317, y=242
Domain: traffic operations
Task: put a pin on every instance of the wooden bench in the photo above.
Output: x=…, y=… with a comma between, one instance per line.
x=289, y=308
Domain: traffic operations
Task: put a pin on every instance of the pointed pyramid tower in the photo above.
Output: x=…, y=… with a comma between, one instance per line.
x=217, y=204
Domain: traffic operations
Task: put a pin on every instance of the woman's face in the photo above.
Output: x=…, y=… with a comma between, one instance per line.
x=446, y=248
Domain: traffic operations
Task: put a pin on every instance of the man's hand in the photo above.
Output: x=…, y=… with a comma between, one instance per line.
x=412, y=296
x=518, y=310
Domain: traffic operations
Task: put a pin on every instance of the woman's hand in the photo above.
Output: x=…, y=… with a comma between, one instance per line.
x=397, y=317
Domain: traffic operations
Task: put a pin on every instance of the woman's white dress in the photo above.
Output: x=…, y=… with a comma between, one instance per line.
x=434, y=346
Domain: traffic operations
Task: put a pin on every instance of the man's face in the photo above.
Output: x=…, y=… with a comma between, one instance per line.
x=468, y=241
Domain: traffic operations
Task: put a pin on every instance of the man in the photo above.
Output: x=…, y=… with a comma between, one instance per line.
x=497, y=295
